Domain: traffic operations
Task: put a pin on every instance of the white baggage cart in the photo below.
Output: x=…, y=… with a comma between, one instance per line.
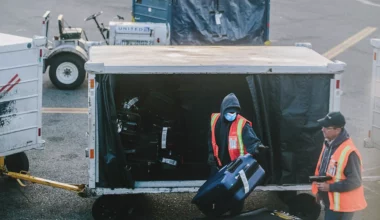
x=115, y=69
x=21, y=65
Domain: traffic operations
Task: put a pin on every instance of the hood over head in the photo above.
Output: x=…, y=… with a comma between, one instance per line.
x=230, y=103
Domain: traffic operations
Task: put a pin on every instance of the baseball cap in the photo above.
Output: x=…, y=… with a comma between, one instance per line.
x=335, y=119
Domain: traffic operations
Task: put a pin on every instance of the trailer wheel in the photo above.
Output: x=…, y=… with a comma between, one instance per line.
x=304, y=206
x=237, y=209
x=17, y=162
x=285, y=196
x=67, y=71
x=110, y=207
x=208, y=211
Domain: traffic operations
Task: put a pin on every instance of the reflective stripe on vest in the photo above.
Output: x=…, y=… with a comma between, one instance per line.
x=215, y=148
x=239, y=130
x=338, y=176
x=214, y=118
x=314, y=188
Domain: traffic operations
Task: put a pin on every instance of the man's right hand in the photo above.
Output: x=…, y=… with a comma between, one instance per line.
x=317, y=199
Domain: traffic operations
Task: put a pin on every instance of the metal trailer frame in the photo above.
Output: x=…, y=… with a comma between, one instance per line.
x=21, y=83
x=101, y=62
x=267, y=16
x=32, y=47
x=25, y=85
x=373, y=139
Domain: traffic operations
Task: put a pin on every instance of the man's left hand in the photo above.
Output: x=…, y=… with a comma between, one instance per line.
x=263, y=147
x=324, y=187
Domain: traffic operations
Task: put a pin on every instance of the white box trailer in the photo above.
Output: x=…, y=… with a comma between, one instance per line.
x=373, y=139
x=21, y=65
x=201, y=76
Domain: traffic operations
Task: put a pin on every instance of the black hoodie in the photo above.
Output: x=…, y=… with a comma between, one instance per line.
x=222, y=129
x=351, y=171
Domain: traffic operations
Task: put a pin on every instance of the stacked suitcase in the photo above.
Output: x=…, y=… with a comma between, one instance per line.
x=150, y=136
x=229, y=186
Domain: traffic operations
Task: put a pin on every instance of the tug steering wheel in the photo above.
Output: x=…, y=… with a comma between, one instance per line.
x=93, y=16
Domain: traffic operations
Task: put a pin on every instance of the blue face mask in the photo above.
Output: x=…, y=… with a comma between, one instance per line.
x=230, y=116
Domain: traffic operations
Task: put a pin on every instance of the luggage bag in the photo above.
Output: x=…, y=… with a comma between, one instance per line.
x=229, y=186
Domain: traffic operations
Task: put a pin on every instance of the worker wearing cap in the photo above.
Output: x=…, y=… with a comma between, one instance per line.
x=340, y=159
x=231, y=135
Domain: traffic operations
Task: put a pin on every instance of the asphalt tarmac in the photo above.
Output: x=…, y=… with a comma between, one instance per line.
x=325, y=24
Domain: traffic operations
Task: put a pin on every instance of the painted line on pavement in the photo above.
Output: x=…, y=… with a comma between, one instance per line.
x=65, y=110
x=371, y=190
x=371, y=178
x=349, y=42
x=372, y=168
x=369, y=3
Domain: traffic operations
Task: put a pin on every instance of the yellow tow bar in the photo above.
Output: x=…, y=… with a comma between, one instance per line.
x=80, y=189
x=2, y=166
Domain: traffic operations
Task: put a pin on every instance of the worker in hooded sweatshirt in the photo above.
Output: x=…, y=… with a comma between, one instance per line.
x=231, y=135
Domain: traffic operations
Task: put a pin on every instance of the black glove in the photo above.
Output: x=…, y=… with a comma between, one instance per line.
x=260, y=148
x=211, y=160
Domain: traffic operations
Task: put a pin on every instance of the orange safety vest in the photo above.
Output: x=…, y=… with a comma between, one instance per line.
x=236, y=146
x=350, y=201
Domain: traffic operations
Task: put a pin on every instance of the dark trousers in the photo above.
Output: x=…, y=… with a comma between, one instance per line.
x=213, y=170
x=331, y=215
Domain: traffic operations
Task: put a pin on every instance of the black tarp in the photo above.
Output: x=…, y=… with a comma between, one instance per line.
x=283, y=109
x=241, y=22
x=113, y=167
x=286, y=114
x=205, y=22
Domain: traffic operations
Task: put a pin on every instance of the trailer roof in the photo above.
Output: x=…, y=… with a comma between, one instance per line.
x=208, y=59
x=375, y=42
x=10, y=42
